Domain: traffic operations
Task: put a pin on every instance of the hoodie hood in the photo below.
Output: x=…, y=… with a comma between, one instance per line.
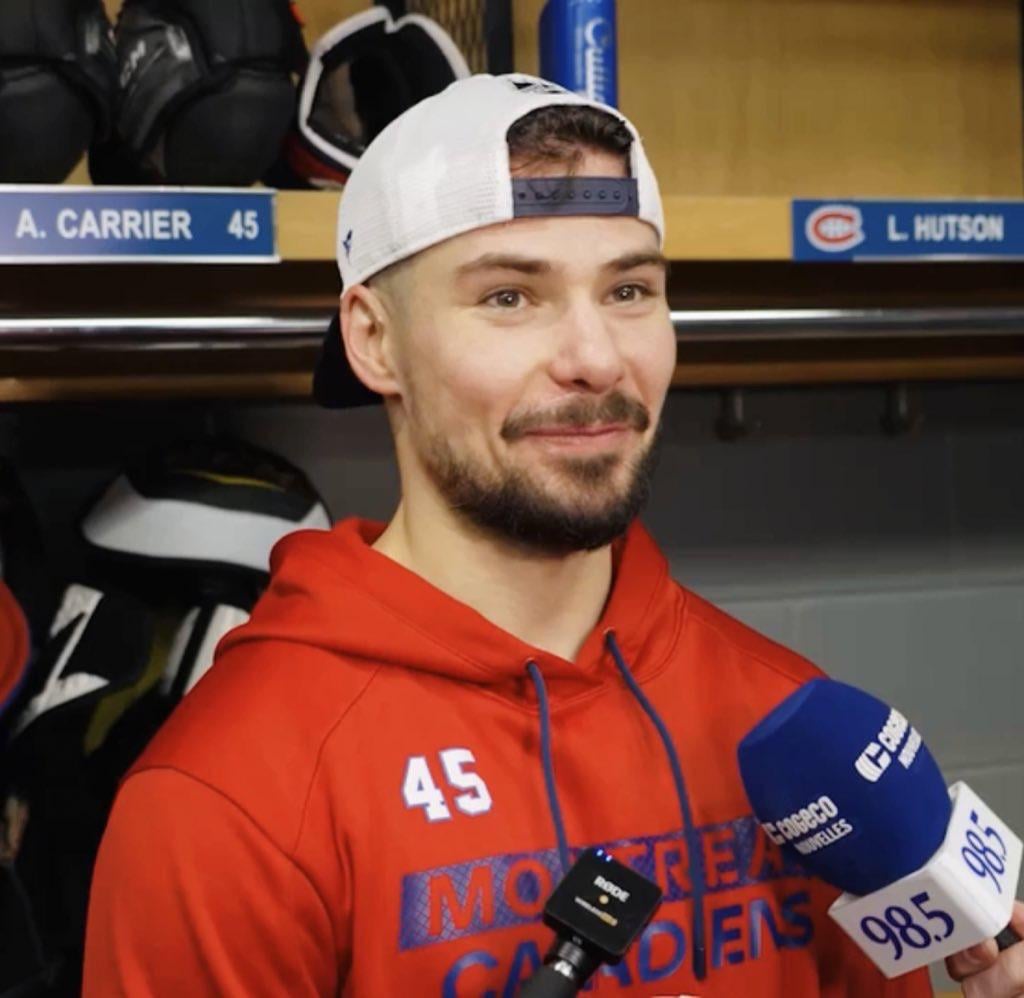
x=332, y=590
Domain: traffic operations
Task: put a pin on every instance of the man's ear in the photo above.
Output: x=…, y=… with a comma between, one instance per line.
x=368, y=333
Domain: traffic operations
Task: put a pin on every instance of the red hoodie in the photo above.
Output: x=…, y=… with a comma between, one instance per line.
x=353, y=800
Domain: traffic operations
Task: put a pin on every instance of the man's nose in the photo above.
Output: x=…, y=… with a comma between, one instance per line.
x=587, y=352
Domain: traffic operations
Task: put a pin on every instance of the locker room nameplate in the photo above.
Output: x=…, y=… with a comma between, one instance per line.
x=844, y=230
x=56, y=224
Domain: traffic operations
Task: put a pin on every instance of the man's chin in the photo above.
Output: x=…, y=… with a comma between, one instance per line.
x=565, y=522
x=552, y=507
x=557, y=536
x=568, y=506
x=575, y=478
x=575, y=498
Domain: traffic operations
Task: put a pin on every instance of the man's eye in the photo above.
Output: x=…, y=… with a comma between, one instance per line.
x=506, y=299
x=509, y=299
x=640, y=291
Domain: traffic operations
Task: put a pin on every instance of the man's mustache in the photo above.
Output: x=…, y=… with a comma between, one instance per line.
x=581, y=412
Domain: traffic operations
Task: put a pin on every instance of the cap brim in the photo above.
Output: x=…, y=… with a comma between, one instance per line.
x=14, y=646
x=335, y=385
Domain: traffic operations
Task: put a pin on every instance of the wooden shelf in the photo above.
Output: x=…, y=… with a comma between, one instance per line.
x=727, y=228
x=697, y=228
x=305, y=224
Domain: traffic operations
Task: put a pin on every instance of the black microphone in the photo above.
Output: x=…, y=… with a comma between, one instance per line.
x=597, y=911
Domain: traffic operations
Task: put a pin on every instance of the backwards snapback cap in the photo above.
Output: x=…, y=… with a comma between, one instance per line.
x=442, y=168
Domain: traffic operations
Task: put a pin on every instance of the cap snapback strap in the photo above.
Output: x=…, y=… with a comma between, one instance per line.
x=574, y=196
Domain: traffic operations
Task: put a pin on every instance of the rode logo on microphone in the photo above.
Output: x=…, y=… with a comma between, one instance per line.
x=834, y=228
x=878, y=754
x=609, y=888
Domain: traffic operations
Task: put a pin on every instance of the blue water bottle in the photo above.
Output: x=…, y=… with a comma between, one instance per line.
x=577, y=47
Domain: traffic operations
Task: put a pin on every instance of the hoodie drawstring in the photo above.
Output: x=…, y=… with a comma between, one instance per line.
x=549, y=769
x=693, y=845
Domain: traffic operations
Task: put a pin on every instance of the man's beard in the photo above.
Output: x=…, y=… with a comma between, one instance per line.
x=513, y=507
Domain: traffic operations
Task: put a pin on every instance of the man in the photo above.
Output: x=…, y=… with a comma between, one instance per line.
x=380, y=781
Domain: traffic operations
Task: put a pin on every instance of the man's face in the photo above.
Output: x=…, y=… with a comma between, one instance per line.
x=534, y=357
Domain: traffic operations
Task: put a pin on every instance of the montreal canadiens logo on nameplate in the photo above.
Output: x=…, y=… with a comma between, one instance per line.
x=834, y=228
x=865, y=230
x=64, y=224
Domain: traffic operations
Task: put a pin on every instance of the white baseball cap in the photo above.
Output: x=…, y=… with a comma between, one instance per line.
x=442, y=168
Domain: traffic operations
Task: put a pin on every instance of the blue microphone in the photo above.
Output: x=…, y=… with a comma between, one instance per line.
x=844, y=784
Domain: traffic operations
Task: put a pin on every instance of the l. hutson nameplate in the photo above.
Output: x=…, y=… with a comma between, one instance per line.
x=864, y=229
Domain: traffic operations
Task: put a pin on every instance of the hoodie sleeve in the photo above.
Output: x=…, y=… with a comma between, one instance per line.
x=190, y=897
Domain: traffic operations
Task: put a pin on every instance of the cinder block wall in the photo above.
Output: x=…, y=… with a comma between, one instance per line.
x=895, y=564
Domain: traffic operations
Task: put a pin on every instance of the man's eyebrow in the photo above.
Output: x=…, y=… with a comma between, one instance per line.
x=532, y=266
x=630, y=260
x=503, y=261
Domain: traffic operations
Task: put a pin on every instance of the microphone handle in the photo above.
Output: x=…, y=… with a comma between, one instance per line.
x=549, y=983
x=1007, y=938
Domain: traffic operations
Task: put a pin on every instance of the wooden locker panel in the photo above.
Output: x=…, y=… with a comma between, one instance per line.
x=820, y=97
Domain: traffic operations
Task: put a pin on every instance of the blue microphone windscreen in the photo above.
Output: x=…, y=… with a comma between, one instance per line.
x=846, y=786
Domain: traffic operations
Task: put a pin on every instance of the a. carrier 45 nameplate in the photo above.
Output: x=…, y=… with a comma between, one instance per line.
x=55, y=224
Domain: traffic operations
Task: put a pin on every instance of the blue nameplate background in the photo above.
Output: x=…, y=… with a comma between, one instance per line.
x=907, y=230
x=82, y=224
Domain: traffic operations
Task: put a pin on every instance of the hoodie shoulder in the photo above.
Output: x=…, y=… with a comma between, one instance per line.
x=756, y=649
x=254, y=727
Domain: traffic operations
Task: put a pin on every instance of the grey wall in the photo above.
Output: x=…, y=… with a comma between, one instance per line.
x=893, y=563
x=896, y=564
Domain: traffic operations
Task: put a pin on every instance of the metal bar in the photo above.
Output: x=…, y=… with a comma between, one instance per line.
x=784, y=324
x=298, y=329
x=163, y=332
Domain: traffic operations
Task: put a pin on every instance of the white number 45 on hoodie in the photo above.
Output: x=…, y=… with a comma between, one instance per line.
x=419, y=788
